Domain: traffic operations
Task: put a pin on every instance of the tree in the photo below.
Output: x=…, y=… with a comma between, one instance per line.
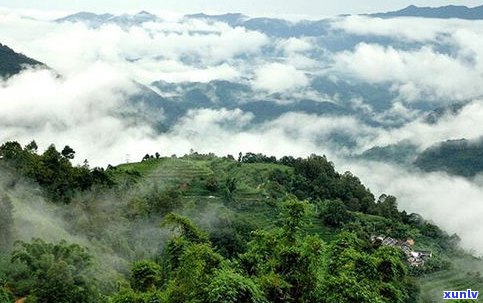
x=287, y=262
x=5, y=295
x=60, y=272
x=6, y=223
x=10, y=150
x=386, y=206
x=355, y=275
x=230, y=188
x=163, y=201
x=32, y=147
x=227, y=286
x=68, y=152
x=334, y=214
x=188, y=229
x=145, y=275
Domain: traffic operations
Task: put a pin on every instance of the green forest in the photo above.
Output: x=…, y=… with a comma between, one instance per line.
x=204, y=228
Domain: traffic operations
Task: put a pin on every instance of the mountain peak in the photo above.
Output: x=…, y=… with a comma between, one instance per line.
x=442, y=12
x=145, y=13
x=12, y=62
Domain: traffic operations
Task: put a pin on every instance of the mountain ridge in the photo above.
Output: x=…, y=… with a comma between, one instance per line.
x=12, y=63
x=442, y=12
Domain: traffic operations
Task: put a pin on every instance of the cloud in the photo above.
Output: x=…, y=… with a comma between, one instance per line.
x=86, y=107
x=193, y=44
x=277, y=77
x=84, y=110
x=453, y=203
x=464, y=124
x=295, y=45
x=407, y=29
x=415, y=74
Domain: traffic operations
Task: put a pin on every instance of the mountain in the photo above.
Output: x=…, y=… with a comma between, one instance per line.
x=270, y=26
x=443, y=12
x=234, y=19
x=401, y=153
x=86, y=17
x=12, y=63
x=96, y=20
x=247, y=225
x=178, y=98
x=459, y=157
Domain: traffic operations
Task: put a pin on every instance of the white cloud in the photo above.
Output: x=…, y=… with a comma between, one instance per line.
x=82, y=107
x=277, y=77
x=295, y=45
x=409, y=29
x=191, y=45
x=416, y=74
x=453, y=203
x=465, y=124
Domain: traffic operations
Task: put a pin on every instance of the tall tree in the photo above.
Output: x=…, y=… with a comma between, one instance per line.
x=6, y=223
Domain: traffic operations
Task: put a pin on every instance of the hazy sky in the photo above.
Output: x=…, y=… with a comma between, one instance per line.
x=311, y=8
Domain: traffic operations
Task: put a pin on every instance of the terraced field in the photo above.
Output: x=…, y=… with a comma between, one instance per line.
x=251, y=199
x=252, y=202
x=466, y=273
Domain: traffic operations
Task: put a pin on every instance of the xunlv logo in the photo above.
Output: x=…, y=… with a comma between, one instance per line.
x=453, y=295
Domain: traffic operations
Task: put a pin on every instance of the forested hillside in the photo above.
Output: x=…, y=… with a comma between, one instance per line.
x=12, y=63
x=202, y=228
x=459, y=157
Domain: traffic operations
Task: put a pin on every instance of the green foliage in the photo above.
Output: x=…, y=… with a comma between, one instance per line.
x=293, y=218
x=212, y=184
x=6, y=223
x=5, y=295
x=52, y=170
x=145, y=275
x=459, y=157
x=187, y=229
x=315, y=179
x=434, y=264
x=386, y=207
x=227, y=286
x=358, y=276
x=229, y=189
x=402, y=152
x=288, y=263
x=334, y=213
x=130, y=296
x=196, y=267
x=59, y=272
x=230, y=235
x=162, y=201
x=260, y=249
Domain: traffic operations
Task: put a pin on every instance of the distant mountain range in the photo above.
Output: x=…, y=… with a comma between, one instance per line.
x=443, y=12
x=12, y=63
x=459, y=157
x=270, y=26
x=274, y=26
x=96, y=20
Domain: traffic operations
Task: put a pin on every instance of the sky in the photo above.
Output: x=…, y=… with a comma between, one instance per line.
x=308, y=8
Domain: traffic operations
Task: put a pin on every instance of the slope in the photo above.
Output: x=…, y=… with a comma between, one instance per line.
x=12, y=63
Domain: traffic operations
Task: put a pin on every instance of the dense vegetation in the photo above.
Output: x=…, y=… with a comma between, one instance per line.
x=202, y=228
x=12, y=63
x=459, y=157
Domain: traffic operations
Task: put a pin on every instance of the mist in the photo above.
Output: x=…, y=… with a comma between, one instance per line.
x=82, y=100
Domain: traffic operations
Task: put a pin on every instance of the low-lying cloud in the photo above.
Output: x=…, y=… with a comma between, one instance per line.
x=86, y=105
x=454, y=203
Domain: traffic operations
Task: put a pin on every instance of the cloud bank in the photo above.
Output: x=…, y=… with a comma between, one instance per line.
x=101, y=69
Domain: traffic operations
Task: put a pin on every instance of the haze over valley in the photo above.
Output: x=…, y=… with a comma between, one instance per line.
x=393, y=97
